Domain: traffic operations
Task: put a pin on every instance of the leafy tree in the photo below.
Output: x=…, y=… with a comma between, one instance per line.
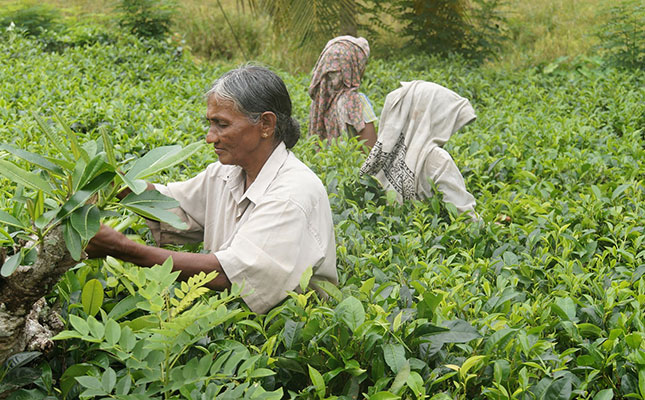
x=474, y=29
x=623, y=35
x=147, y=18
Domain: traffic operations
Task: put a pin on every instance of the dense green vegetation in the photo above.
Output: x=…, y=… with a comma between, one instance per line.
x=542, y=299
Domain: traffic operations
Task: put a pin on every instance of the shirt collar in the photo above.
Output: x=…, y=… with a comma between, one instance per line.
x=267, y=174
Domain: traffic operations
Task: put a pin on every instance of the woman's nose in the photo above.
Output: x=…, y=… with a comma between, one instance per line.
x=211, y=136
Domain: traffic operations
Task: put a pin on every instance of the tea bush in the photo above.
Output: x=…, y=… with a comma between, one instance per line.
x=542, y=299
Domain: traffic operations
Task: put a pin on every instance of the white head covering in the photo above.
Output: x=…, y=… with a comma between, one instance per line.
x=417, y=119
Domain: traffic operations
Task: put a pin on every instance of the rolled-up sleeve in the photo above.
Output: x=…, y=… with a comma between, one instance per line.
x=270, y=252
x=191, y=196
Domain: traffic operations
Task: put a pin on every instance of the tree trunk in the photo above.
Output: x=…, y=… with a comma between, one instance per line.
x=21, y=295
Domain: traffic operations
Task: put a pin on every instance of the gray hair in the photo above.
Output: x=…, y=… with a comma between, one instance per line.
x=252, y=90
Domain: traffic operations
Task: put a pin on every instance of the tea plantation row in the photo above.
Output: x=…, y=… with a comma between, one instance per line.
x=542, y=299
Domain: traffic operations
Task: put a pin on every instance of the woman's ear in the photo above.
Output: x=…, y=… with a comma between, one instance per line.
x=268, y=120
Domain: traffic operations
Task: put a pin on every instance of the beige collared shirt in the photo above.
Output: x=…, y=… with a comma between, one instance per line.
x=264, y=238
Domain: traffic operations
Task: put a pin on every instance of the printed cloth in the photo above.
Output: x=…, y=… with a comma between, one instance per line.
x=368, y=114
x=336, y=78
x=417, y=119
x=266, y=237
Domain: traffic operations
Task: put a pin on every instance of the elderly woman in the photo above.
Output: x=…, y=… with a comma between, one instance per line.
x=337, y=106
x=263, y=215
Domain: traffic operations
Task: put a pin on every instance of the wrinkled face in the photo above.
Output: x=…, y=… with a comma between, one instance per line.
x=236, y=139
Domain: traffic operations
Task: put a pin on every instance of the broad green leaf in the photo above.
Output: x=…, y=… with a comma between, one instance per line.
x=137, y=186
x=21, y=359
x=351, y=312
x=72, y=241
x=470, y=363
x=162, y=158
x=108, y=380
x=124, y=307
x=394, y=355
x=605, y=394
x=559, y=389
x=33, y=158
x=67, y=335
x=97, y=329
x=46, y=218
x=501, y=371
x=68, y=379
x=77, y=151
x=150, y=198
x=128, y=340
x=318, y=381
x=460, y=331
x=384, y=396
x=10, y=264
x=401, y=378
x=89, y=382
x=291, y=332
x=20, y=176
x=565, y=307
x=261, y=373
x=304, y=279
x=79, y=198
x=499, y=339
x=86, y=221
x=79, y=324
x=415, y=382
x=157, y=214
x=619, y=190
x=329, y=288
x=123, y=385
x=54, y=139
x=108, y=146
x=91, y=170
x=92, y=297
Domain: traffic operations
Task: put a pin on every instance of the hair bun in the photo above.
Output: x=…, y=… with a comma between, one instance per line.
x=292, y=132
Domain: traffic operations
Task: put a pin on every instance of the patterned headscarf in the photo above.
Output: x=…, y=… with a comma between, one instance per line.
x=334, y=87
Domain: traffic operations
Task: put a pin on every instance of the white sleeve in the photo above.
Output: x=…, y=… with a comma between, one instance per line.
x=191, y=195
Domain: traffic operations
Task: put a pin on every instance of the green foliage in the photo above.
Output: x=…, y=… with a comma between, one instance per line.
x=542, y=299
x=15, y=372
x=623, y=36
x=147, y=18
x=33, y=18
x=76, y=190
x=473, y=29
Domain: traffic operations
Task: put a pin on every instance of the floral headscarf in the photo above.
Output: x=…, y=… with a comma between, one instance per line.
x=334, y=87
